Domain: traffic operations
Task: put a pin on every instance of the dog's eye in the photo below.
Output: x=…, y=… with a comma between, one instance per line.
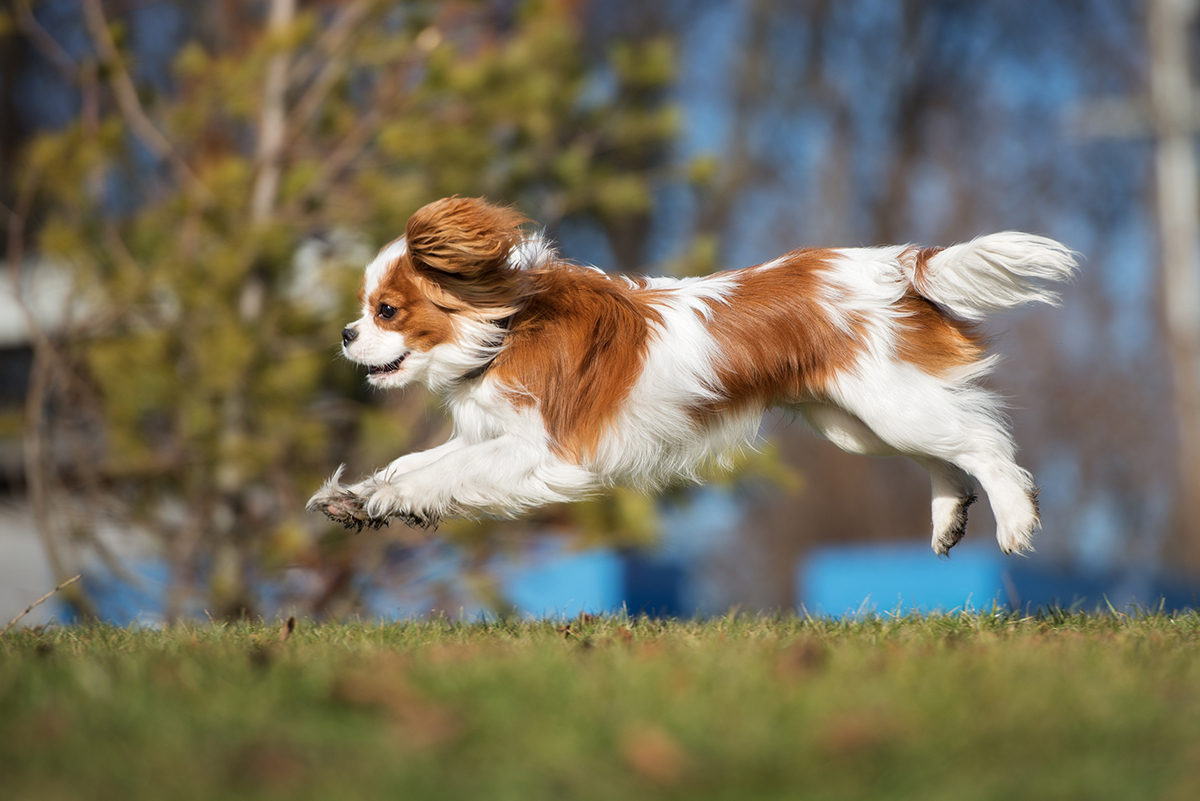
x=385, y=311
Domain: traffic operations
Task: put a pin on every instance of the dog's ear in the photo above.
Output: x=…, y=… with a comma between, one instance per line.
x=461, y=247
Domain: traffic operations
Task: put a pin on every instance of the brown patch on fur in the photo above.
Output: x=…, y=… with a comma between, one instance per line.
x=919, y=264
x=423, y=323
x=459, y=247
x=935, y=342
x=929, y=338
x=778, y=342
x=577, y=347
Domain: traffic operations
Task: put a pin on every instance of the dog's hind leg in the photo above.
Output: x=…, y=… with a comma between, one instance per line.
x=937, y=421
x=844, y=429
x=953, y=493
x=953, y=489
x=1011, y=493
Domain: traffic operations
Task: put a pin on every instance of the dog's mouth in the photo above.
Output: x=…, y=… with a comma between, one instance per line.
x=376, y=370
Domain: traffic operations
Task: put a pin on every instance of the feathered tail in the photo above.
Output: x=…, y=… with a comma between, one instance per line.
x=993, y=272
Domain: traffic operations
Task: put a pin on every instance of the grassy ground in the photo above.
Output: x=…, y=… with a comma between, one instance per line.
x=955, y=707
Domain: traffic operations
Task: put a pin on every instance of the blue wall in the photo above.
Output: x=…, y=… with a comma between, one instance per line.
x=907, y=577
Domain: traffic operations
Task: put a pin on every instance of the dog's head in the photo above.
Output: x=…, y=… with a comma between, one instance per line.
x=431, y=299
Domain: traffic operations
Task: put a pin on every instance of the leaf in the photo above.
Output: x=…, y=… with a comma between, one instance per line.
x=651, y=753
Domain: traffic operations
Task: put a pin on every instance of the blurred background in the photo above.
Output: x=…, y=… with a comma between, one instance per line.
x=190, y=189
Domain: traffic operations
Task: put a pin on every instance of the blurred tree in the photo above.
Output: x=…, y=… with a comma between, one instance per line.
x=216, y=222
x=932, y=121
x=809, y=122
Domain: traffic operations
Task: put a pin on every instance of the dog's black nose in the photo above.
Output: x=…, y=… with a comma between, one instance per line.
x=349, y=335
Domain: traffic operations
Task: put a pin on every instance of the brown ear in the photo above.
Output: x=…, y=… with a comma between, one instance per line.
x=461, y=246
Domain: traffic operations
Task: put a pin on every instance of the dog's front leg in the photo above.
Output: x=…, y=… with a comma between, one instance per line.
x=341, y=504
x=500, y=477
x=347, y=504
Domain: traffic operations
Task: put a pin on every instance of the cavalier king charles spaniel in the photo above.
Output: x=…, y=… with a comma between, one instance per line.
x=563, y=380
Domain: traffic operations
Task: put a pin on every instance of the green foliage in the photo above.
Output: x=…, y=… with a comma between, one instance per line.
x=970, y=706
x=215, y=378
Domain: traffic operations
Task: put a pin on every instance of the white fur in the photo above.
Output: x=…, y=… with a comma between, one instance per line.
x=996, y=272
x=654, y=440
x=379, y=266
x=534, y=251
x=500, y=460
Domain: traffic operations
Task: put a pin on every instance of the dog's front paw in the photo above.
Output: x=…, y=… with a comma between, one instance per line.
x=392, y=499
x=343, y=505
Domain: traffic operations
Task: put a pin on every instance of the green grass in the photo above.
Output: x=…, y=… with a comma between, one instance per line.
x=972, y=706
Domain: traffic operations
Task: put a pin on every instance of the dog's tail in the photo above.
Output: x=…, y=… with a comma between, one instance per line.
x=993, y=272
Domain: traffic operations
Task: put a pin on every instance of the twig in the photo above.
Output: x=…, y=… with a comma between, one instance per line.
x=47, y=363
x=350, y=148
x=272, y=130
x=129, y=104
x=322, y=79
x=336, y=34
x=288, y=628
x=37, y=471
x=46, y=44
x=30, y=608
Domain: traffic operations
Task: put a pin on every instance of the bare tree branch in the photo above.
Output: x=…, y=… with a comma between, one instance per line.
x=310, y=102
x=46, y=363
x=272, y=128
x=16, y=256
x=350, y=148
x=45, y=43
x=327, y=75
x=129, y=104
x=335, y=37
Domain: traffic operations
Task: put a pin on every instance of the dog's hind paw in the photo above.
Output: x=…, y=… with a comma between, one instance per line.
x=955, y=528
